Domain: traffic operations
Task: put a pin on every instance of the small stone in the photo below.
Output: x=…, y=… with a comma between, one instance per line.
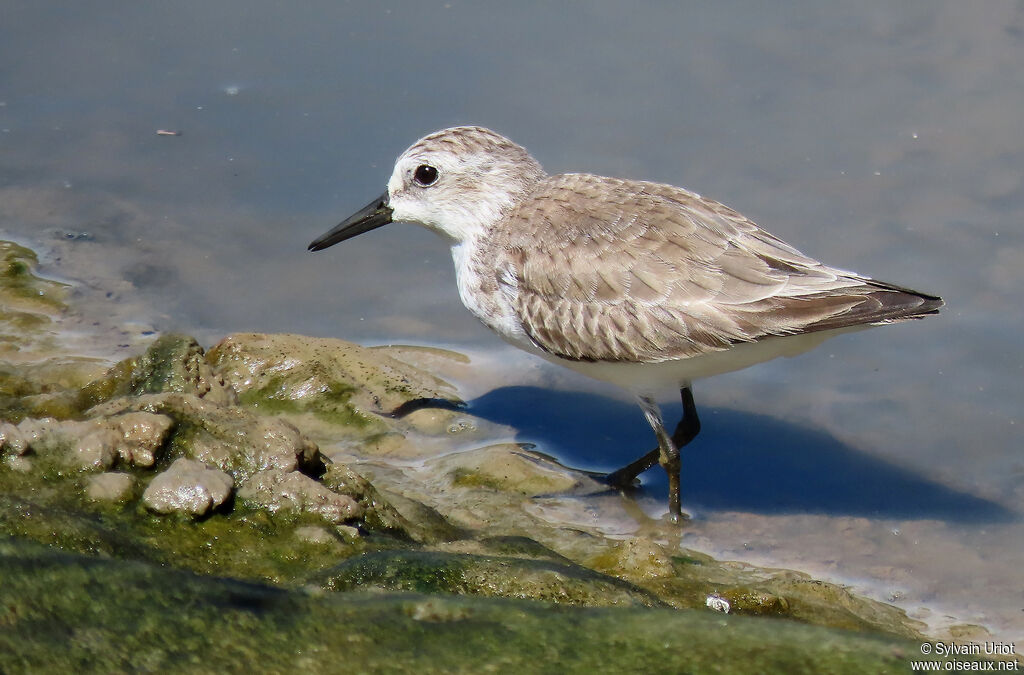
x=109, y=487
x=348, y=532
x=188, y=486
x=11, y=440
x=315, y=534
x=717, y=603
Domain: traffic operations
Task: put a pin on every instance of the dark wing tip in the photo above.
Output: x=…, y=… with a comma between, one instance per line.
x=905, y=302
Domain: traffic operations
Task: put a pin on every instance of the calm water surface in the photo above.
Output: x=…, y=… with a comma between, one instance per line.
x=886, y=138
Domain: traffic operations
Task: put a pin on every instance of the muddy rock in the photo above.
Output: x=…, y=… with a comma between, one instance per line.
x=134, y=438
x=54, y=439
x=276, y=490
x=39, y=436
x=232, y=439
x=338, y=381
x=188, y=486
x=12, y=441
x=173, y=363
x=110, y=487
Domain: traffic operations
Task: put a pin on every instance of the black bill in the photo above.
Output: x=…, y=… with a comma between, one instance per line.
x=370, y=217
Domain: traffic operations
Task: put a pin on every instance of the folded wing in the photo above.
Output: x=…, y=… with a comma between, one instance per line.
x=615, y=270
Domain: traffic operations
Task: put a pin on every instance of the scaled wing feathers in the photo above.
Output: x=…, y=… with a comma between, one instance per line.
x=615, y=270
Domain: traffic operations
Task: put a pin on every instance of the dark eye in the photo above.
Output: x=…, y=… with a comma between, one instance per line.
x=425, y=175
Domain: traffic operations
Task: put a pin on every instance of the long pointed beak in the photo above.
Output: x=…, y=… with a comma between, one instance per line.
x=370, y=217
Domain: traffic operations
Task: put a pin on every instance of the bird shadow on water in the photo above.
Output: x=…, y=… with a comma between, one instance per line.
x=739, y=461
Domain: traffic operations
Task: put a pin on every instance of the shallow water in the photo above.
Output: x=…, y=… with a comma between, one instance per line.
x=882, y=138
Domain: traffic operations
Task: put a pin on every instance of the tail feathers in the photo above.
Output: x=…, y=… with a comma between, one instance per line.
x=871, y=302
x=898, y=303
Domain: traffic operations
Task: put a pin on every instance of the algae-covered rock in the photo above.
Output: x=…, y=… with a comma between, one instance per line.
x=54, y=440
x=129, y=617
x=380, y=514
x=412, y=518
x=188, y=487
x=493, y=576
x=66, y=387
x=232, y=439
x=172, y=364
x=507, y=468
x=63, y=525
x=433, y=508
x=284, y=483
x=336, y=380
x=686, y=579
x=28, y=303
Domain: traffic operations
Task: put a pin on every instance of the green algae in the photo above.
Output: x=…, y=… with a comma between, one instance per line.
x=21, y=288
x=172, y=364
x=47, y=503
x=687, y=581
x=463, y=477
x=337, y=381
x=248, y=544
x=332, y=405
x=65, y=613
x=489, y=576
x=252, y=544
x=15, y=389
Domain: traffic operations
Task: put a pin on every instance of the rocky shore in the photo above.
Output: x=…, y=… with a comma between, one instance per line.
x=304, y=503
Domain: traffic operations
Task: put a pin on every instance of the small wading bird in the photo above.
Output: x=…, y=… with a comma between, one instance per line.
x=644, y=285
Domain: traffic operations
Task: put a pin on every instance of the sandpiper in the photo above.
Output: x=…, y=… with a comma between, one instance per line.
x=644, y=285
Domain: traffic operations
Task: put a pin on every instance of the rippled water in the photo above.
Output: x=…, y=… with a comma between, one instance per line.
x=878, y=137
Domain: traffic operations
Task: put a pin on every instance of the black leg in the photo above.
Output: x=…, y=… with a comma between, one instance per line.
x=686, y=431
x=689, y=425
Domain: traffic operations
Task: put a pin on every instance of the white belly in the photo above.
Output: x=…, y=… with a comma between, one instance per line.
x=653, y=379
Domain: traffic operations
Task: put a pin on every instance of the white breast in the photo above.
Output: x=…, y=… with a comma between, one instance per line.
x=489, y=300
